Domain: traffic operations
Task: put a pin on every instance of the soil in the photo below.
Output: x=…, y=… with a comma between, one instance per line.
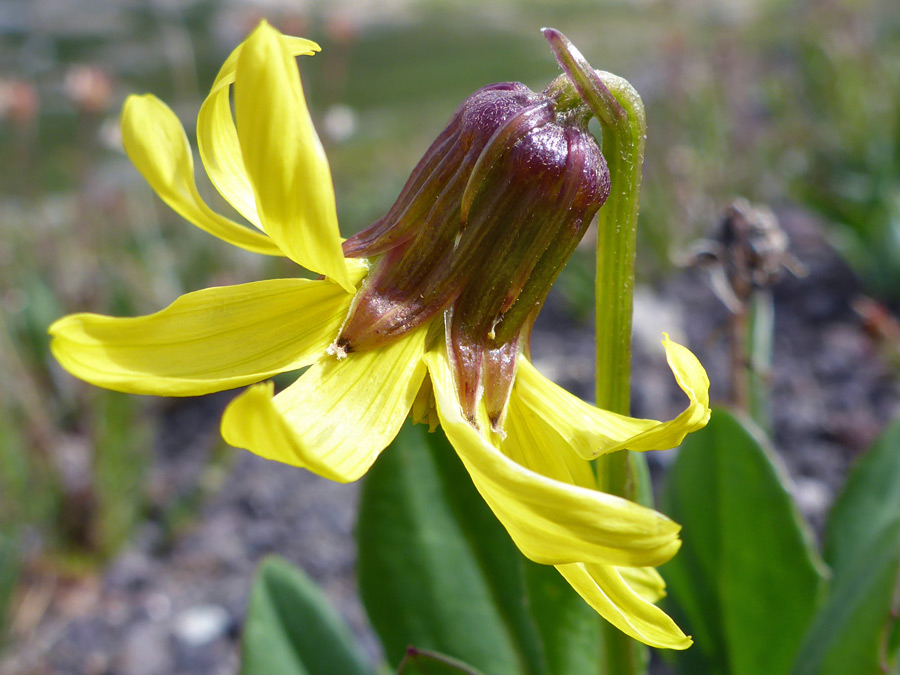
x=177, y=606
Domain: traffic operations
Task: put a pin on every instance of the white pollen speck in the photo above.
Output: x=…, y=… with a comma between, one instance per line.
x=336, y=351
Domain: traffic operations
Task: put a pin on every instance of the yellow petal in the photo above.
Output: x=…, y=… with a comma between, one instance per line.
x=284, y=158
x=534, y=444
x=645, y=581
x=604, y=589
x=551, y=521
x=218, y=139
x=157, y=145
x=338, y=417
x=210, y=340
x=591, y=431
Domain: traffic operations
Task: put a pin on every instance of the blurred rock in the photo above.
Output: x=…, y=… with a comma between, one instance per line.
x=201, y=625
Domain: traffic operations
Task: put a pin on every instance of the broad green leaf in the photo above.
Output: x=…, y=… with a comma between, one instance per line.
x=747, y=580
x=292, y=630
x=856, y=629
x=868, y=505
x=437, y=570
x=850, y=634
x=568, y=627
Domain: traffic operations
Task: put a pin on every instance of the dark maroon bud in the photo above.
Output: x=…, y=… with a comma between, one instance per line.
x=480, y=231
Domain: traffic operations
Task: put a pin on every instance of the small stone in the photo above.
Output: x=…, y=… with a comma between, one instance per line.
x=813, y=496
x=201, y=625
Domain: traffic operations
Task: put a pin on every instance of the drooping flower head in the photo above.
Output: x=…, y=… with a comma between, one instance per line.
x=482, y=228
x=426, y=314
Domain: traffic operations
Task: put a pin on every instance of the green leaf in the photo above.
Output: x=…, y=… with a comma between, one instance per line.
x=438, y=571
x=568, y=627
x=292, y=630
x=747, y=580
x=856, y=631
x=868, y=506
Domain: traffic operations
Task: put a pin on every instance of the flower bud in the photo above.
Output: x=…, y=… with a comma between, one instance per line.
x=480, y=231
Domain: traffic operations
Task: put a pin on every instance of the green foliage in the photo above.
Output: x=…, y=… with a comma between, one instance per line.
x=868, y=506
x=839, y=106
x=746, y=580
x=854, y=632
x=437, y=571
x=120, y=465
x=292, y=630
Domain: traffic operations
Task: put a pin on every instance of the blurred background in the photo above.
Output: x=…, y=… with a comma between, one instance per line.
x=129, y=533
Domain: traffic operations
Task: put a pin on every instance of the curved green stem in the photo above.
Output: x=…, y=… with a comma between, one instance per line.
x=620, y=111
x=623, y=147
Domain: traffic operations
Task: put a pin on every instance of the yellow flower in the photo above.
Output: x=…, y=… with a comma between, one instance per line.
x=535, y=472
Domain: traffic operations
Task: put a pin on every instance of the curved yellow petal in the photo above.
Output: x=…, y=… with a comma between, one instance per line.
x=645, y=581
x=157, y=145
x=283, y=157
x=210, y=340
x=551, y=521
x=338, y=417
x=534, y=444
x=591, y=431
x=217, y=136
x=604, y=589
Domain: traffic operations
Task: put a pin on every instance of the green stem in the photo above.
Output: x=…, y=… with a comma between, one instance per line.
x=620, y=111
x=623, y=147
x=618, y=108
x=760, y=333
